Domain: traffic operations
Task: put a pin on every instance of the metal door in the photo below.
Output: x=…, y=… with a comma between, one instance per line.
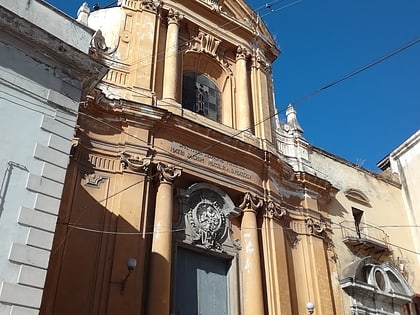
x=201, y=284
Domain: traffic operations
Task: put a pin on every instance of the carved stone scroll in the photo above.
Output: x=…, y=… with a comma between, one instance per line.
x=174, y=17
x=315, y=226
x=151, y=5
x=275, y=210
x=168, y=173
x=135, y=163
x=242, y=53
x=251, y=203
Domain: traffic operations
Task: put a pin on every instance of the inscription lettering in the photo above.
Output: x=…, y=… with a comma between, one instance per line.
x=209, y=160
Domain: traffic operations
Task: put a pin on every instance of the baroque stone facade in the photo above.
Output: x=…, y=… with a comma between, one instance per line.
x=172, y=170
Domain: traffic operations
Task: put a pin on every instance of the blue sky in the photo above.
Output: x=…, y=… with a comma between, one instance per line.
x=361, y=119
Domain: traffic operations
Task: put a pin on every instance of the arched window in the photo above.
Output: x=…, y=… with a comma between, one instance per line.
x=200, y=95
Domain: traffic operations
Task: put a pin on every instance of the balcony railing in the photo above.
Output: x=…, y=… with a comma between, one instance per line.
x=364, y=236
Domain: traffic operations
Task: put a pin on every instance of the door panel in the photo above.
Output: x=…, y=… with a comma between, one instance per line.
x=201, y=284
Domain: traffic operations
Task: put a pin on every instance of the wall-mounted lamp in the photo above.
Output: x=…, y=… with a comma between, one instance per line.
x=131, y=265
x=310, y=306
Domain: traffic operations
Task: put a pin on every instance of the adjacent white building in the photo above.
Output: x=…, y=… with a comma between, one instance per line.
x=44, y=69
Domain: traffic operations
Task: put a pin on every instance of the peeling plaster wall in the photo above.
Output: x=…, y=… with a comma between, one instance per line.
x=386, y=209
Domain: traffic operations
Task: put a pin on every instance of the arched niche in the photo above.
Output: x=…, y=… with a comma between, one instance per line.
x=209, y=66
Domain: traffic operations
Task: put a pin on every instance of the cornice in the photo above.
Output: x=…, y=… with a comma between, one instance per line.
x=321, y=189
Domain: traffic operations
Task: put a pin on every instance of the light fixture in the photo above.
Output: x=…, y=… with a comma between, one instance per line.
x=310, y=306
x=131, y=265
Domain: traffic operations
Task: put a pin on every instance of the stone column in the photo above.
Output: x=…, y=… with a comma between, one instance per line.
x=243, y=111
x=170, y=78
x=250, y=257
x=160, y=262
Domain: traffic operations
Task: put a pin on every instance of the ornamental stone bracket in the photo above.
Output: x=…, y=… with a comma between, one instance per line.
x=135, y=164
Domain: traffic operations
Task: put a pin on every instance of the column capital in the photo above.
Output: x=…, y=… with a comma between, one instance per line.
x=242, y=53
x=251, y=203
x=174, y=17
x=315, y=226
x=275, y=210
x=151, y=5
x=168, y=173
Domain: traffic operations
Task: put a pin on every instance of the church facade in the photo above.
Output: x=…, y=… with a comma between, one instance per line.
x=184, y=193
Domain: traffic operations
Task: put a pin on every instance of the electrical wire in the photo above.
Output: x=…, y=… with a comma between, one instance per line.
x=351, y=74
x=214, y=29
x=272, y=228
x=357, y=71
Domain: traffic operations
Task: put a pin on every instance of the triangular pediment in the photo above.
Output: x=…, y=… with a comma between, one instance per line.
x=239, y=10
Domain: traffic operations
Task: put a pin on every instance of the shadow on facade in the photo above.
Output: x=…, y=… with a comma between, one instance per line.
x=92, y=244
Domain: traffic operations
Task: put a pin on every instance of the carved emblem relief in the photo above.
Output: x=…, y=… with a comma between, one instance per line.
x=205, y=43
x=206, y=217
x=208, y=223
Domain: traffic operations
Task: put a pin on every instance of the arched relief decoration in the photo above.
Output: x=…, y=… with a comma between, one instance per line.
x=382, y=284
x=206, y=213
x=358, y=196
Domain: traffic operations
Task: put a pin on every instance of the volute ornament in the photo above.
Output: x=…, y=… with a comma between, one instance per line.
x=251, y=203
x=315, y=226
x=275, y=210
x=151, y=5
x=135, y=163
x=168, y=173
